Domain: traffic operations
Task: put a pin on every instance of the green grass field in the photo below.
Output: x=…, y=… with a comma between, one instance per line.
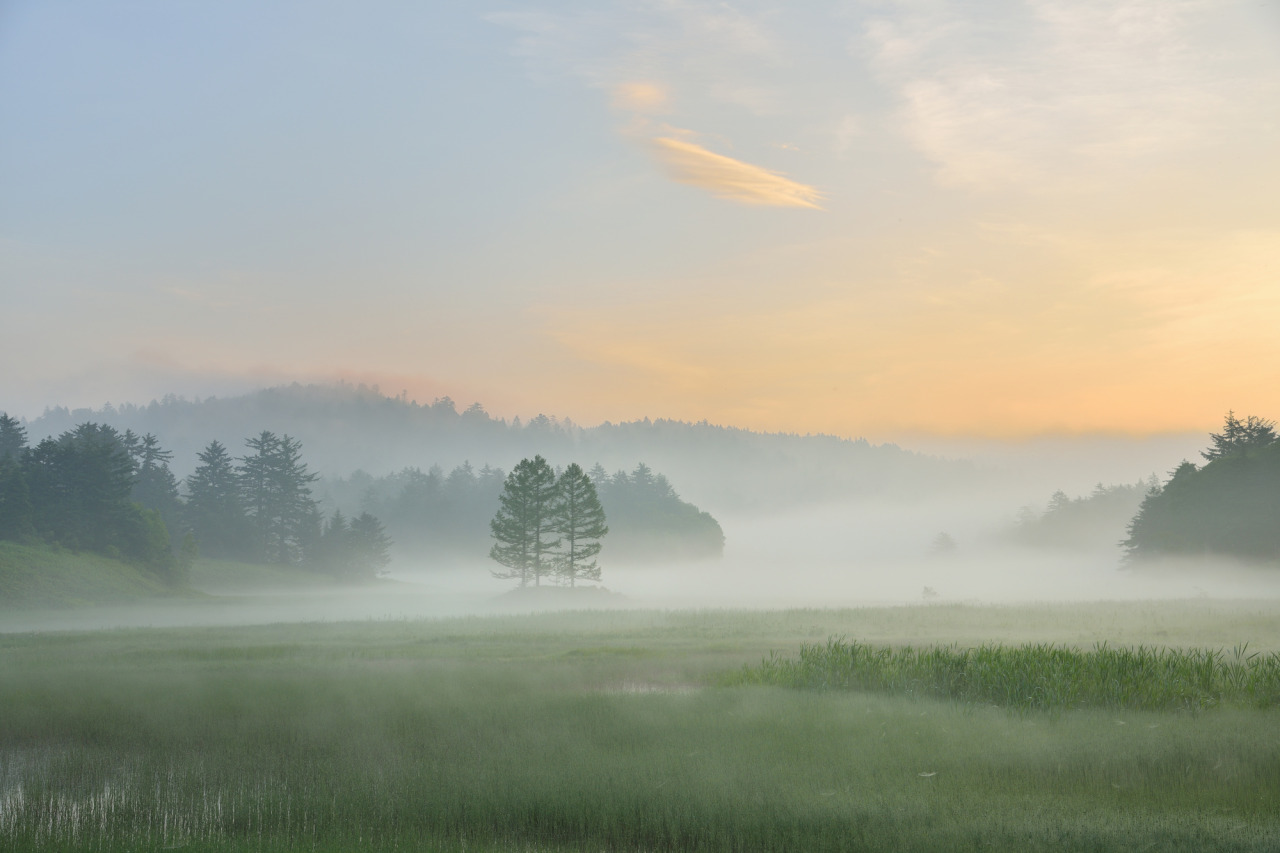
x=610, y=731
x=44, y=576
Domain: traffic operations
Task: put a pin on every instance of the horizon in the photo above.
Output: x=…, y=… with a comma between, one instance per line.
x=956, y=438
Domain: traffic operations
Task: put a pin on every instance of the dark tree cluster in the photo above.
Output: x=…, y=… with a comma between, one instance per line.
x=260, y=507
x=84, y=490
x=1228, y=507
x=96, y=489
x=547, y=525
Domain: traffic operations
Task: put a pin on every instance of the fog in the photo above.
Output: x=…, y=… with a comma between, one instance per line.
x=847, y=555
x=930, y=521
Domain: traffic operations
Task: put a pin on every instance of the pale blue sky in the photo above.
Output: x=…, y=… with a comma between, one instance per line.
x=856, y=217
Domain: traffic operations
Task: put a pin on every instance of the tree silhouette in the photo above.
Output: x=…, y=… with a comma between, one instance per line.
x=579, y=519
x=523, y=528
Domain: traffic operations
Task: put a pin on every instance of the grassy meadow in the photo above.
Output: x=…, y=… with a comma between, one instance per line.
x=39, y=575
x=633, y=730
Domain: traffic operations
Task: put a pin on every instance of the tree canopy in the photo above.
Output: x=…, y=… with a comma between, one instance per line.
x=1228, y=507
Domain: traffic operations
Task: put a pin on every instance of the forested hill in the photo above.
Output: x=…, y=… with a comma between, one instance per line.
x=347, y=428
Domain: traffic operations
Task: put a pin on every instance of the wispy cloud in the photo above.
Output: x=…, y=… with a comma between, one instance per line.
x=1052, y=94
x=731, y=179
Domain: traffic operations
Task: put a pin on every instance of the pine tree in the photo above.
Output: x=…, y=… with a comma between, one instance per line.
x=369, y=545
x=16, y=518
x=80, y=486
x=523, y=526
x=215, y=509
x=276, y=489
x=255, y=474
x=1239, y=436
x=154, y=485
x=579, y=519
x=13, y=438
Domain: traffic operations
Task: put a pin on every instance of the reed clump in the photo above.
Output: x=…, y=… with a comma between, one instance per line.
x=1034, y=676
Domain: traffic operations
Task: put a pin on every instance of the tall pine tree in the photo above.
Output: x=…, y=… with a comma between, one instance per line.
x=579, y=519
x=523, y=528
x=215, y=508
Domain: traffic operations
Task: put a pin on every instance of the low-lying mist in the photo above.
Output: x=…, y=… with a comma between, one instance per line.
x=834, y=556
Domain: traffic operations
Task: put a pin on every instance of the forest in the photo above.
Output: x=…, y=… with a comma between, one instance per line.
x=95, y=488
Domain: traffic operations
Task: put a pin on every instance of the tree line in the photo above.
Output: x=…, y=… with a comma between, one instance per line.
x=1230, y=506
x=1096, y=520
x=97, y=489
x=436, y=515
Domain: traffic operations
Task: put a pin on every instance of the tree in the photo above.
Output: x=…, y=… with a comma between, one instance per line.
x=215, y=507
x=1239, y=436
x=13, y=438
x=80, y=486
x=369, y=545
x=359, y=549
x=154, y=485
x=578, y=518
x=16, y=520
x=276, y=489
x=16, y=516
x=1229, y=507
x=523, y=527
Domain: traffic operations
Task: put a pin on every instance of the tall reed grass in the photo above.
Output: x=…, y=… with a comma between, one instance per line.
x=1034, y=676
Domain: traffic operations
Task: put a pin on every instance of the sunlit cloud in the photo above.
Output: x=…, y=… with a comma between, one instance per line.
x=727, y=178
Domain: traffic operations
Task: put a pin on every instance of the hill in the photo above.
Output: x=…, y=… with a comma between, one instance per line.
x=346, y=428
x=45, y=576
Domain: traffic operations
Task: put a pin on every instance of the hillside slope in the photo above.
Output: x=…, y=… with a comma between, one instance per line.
x=42, y=576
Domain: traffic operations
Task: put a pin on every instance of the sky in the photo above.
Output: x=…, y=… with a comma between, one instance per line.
x=998, y=219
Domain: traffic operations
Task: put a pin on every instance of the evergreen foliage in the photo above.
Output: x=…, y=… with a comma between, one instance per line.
x=524, y=527
x=13, y=438
x=154, y=485
x=651, y=522
x=1229, y=507
x=579, y=519
x=438, y=515
x=94, y=488
x=215, y=508
x=276, y=490
x=1239, y=436
x=1097, y=520
x=359, y=549
x=80, y=496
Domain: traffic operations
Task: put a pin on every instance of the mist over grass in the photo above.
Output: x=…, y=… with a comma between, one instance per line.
x=606, y=731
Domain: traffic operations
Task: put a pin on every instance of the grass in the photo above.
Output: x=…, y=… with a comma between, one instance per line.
x=46, y=576
x=1039, y=676
x=598, y=731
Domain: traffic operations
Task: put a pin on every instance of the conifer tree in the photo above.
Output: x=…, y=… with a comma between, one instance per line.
x=276, y=489
x=13, y=438
x=215, y=509
x=154, y=485
x=523, y=527
x=579, y=519
x=16, y=520
x=369, y=545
